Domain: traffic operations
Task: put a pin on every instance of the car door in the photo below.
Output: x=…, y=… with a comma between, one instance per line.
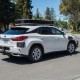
x=47, y=38
x=60, y=40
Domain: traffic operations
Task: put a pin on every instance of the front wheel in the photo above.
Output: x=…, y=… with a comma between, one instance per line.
x=71, y=48
x=35, y=54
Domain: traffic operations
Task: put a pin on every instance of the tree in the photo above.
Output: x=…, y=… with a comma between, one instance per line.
x=7, y=11
x=48, y=14
x=70, y=8
x=23, y=8
x=38, y=15
x=19, y=10
x=62, y=24
x=53, y=15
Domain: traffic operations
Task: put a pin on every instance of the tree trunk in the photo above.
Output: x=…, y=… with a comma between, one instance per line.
x=76, y=22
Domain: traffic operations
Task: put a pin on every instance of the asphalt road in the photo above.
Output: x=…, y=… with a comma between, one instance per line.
x=55, y=66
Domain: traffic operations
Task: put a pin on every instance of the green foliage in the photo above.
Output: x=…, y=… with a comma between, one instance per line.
x=62, y=24
x=38, y=15
x=74, y=32
x=23, y=9
x=7, y=13
x=19, y=10
x=70, y=8
x=53, y=15
x=50, y=14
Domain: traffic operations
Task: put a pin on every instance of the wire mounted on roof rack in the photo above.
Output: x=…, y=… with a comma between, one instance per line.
x=33, y=22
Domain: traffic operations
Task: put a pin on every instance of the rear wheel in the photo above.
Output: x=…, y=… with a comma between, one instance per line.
x=35, y=54
x=71, y=48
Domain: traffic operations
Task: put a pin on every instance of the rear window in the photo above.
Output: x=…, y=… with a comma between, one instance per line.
x=16, y=31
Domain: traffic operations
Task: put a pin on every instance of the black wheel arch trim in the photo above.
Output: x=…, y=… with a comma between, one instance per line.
x=37, y=44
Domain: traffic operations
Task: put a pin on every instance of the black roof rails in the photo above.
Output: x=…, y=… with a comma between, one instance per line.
x=33, y=22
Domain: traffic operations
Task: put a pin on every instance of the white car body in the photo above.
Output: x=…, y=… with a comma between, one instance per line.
x=50, y=43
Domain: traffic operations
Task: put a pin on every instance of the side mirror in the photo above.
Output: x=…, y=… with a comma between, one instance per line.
x=63, y=33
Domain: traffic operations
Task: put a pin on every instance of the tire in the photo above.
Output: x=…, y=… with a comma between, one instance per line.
x=35, y=54
x=71, y=48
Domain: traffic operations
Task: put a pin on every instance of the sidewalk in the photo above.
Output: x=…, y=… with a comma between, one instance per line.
x=76, y=35
x=69, y=32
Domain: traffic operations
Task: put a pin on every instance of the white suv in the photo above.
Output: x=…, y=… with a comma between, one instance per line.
x=34, y=41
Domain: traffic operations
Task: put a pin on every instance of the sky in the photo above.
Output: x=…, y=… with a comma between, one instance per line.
x=42, y=4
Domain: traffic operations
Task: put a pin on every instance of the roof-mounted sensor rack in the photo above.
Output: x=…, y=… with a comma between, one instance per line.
x=25, y=22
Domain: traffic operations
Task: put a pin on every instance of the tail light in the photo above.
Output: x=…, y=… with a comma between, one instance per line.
x=20, y=38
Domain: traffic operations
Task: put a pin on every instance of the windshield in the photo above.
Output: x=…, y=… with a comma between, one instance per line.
x=16, y=31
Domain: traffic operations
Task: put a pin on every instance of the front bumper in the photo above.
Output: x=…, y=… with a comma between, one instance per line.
x=77, y=44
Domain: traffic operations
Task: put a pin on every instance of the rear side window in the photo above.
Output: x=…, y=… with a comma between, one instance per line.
x=33, y=31
x=16, y=31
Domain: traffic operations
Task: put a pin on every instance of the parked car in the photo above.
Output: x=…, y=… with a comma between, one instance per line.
x=34, y=41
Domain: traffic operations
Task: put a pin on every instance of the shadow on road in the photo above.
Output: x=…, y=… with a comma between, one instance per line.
x=17, y=60
x=23, y=60
x=57, y=55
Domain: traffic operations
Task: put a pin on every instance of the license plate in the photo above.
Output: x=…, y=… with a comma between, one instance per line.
x=5, y=39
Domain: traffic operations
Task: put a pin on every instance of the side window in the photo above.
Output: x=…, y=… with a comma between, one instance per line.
x=45, y=31
x=56, y=31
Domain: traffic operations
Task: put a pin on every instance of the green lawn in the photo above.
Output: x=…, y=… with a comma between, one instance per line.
x=75, y=32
